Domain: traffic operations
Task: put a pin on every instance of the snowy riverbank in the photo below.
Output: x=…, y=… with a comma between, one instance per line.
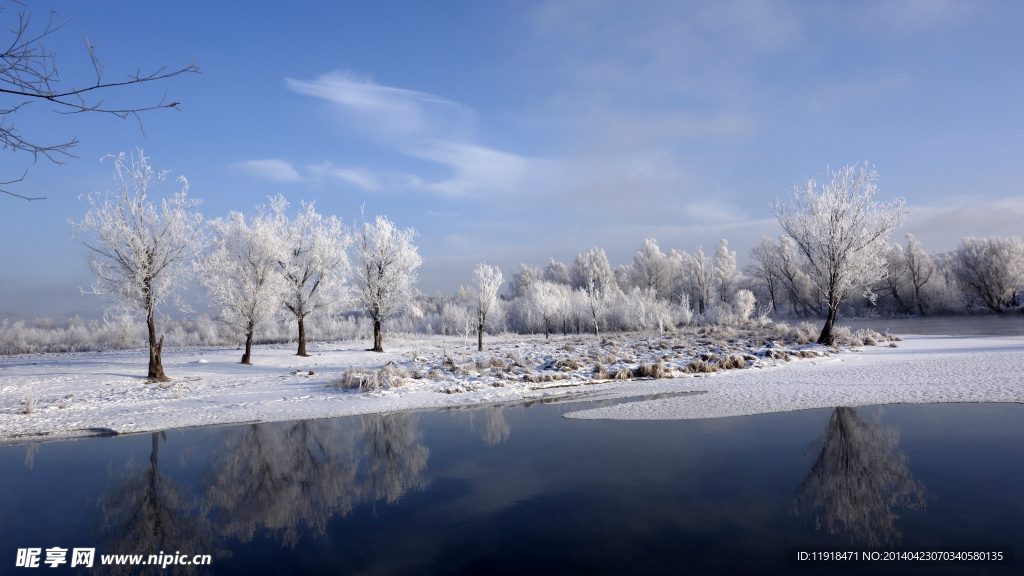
x=96, y=393
x=923, y=370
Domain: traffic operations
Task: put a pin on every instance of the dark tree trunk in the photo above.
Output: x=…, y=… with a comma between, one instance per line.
x=247, y=357
x=378, y=341
x=565, y=329
x=547, y=329
x=156, y=367
x=480, y=338
x=302, y=338
x=826, y=337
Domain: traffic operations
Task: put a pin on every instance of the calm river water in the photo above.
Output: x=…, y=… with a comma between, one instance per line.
x=521, y=490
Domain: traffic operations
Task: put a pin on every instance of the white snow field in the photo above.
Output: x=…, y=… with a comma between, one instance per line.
x=923, y=370
x=82, y=394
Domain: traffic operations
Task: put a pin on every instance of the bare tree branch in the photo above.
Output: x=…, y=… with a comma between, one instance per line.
x=18, y=195
x=28, y=73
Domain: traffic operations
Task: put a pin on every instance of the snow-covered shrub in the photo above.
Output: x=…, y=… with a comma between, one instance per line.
x=30, y=402
x=684, y=314
x=743, y=302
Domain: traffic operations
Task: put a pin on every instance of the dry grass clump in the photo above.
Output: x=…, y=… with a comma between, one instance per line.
x=651, y=370
x=448, y=361
x=569, y=348
x=362, y=379
x=700, y=366
x=353, y=378
x=732, y=362
x=436, y=374
x=893, y=345
x=550, y=377
x=567, y=364
x=601, y=373
x=808, y=354
x=778, y=354
x=623, y=374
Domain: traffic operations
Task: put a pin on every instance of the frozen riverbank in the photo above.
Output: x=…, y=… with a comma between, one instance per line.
x=923, y=370
x=106, y=393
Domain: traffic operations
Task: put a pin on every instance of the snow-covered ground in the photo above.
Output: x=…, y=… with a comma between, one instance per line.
x=96, y=393
x=923, y=370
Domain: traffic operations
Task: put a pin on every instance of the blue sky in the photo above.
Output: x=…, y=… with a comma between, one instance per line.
x=512, y=132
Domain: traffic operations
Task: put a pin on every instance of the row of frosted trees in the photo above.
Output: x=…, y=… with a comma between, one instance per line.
x=260, y=269
x=982, y=274
x=658, y=290
x=252, y=268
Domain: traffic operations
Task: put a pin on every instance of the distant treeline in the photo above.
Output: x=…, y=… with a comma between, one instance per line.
x=656, y=291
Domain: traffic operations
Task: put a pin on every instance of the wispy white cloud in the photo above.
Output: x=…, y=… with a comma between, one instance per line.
x=427, y=127
x=389, y=114
x=271, y=169
x=276, y=170
x=359, y=177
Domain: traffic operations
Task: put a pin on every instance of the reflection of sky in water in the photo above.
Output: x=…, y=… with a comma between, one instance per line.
x=509, y=489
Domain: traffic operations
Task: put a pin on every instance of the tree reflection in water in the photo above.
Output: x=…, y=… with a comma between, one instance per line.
x=495, y=427
x=277, y=476
x=272, y=477
x=858, y=481
x=147, y=513
x=396, y=459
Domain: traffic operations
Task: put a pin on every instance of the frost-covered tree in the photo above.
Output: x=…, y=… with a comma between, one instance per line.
x=388, y=262
x=591, y=272
x=896, y=278
x=138, y=249
x=557, y=272
x=842, y=232
x=991, y=271
x=723, y=265
x=764, y=269
x=242, y=275
x=701, y=278
x=546, y=299
x=521, y=279
x=315, y=265
x=651, y=270
x=796, y=283
x=455, y=317
x=488, y=280
x=595, y=303
x=920, y=269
